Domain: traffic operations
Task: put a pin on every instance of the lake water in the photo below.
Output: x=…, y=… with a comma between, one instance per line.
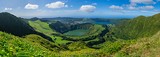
x=78, y=32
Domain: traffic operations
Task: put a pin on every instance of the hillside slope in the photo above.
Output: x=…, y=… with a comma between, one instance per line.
x=43, y=27
x=40, y=26
x=143, y=47
x=139, y=27
x=13, y=46
x=12, y=24
x=17, y=26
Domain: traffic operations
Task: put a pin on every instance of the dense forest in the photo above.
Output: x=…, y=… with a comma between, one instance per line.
x=137, y=37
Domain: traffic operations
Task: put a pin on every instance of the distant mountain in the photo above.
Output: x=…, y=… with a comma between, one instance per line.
x=59, y=18
x=16, y=26
x=107, y=21
x=34, y=19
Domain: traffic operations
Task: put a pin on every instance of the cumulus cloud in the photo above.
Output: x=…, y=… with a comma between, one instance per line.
x=116, y=7
x=87, y=8
x=31, y=6
x=57, y=4
x=7, y=9
x=142, y=1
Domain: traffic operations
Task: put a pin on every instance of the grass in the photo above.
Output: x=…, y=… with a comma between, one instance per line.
x=138, y=27
x=144, y=47
x=13, y=46
x=32, y=45
x=41, y=41
x=44, y=28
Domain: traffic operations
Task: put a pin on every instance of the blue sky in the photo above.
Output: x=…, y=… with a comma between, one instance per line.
x=80, y=8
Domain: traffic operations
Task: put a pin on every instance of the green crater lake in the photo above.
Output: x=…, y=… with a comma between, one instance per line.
x=78, y=32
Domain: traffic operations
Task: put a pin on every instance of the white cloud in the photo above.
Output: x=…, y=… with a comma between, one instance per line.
x=142, y=1
x=7, y=9
x=57, y=4
x=144, y=11
x=31, y=6
x=157, y=10
x=132, y=8
x=147, y=7
x=87, y=8
x=116, y=7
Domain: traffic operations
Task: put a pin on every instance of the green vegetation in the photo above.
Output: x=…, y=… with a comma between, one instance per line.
x=138, y=37
x=77, y=46
x=59, y=27
x=79, y=32
x=17, y=26
x=94, y=31
x=13, y=46
x=10, y=23
x=41, y=41
x=44, y=28
x=139, y=27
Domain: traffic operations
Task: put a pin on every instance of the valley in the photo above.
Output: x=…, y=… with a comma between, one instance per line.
x=79, y=37
x=79, y=28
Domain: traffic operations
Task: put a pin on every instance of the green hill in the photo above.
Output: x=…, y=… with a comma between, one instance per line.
x=13, y=46
x=139, y=27
x=40, y=26
x=12, y=24
x=17, y=26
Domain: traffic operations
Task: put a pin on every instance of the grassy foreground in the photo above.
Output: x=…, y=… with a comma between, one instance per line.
x=15, y=46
